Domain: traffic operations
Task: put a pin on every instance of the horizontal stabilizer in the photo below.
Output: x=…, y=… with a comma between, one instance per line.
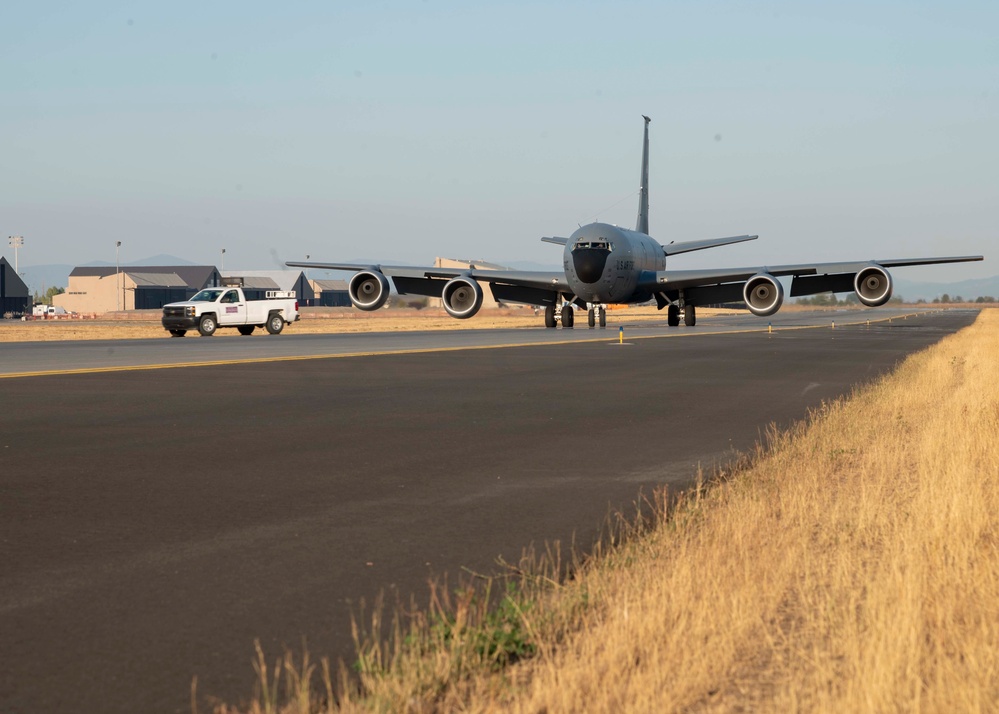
x=692, y=245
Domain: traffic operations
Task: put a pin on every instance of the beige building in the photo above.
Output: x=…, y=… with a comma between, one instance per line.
x=105, y=289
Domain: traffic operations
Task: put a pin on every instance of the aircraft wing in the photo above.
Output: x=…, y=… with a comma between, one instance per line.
x=528, y=286
x=692, y=245
x=677, y=279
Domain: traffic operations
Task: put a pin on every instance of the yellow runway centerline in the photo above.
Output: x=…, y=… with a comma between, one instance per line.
x=426, y=350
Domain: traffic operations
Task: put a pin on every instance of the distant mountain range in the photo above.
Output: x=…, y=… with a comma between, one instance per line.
x=40, y=278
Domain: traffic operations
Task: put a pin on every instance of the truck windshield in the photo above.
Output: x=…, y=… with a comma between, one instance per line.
x=207, y=296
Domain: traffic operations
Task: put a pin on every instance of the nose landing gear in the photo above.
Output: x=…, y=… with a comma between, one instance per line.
x=596, y=313
x=567, y=317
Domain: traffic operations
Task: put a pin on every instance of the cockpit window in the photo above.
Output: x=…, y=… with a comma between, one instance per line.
x=594, y=245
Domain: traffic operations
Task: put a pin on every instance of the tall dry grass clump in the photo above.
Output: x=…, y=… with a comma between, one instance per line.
x=852, y=567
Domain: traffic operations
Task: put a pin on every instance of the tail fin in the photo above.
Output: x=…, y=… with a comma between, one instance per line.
x=643, y=197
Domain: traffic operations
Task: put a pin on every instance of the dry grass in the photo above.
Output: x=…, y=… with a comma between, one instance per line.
x=146, y=325
x=853, y=567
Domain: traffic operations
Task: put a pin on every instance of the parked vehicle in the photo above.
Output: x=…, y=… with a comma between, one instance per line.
x=213, y=308
x=41, y=310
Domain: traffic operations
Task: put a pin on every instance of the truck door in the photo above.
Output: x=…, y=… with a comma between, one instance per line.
x=232, y=309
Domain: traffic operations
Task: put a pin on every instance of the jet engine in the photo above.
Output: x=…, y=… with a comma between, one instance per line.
x=462, y=297
x=763, y=294
x=368, y=290
x=873, y=286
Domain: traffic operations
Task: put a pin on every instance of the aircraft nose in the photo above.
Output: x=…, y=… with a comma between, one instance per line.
x=589, y=263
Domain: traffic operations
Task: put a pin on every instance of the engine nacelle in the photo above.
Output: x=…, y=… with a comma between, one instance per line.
x=368, y=290
x=763, y=294
x=873, y=286
x=462, y=297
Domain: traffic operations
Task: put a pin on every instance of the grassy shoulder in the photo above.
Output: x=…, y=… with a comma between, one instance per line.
x=853, y=566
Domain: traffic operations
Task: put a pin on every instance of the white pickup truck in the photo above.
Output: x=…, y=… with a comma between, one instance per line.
x=213, y=308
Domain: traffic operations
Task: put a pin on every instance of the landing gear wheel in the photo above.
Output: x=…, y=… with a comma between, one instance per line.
x=591, y=319
x=207, y=326
x=275, y=323
x=549, y=316
x=567, y=317
x=689, y=316
x=246, y=329
x=672, y=316
x=603, y=317
x=178, y=333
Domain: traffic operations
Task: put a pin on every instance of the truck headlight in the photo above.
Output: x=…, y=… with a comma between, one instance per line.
x=190, y=310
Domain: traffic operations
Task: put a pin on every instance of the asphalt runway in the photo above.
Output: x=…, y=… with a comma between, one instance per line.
x=153, y=523
x=34, y=358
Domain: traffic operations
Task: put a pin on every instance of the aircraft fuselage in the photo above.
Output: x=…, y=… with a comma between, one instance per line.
x=605, y=263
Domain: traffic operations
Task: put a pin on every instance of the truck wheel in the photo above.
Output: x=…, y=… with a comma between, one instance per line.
x=178, y=333
x=275, y=323
x=246, y=329
x=207, y=326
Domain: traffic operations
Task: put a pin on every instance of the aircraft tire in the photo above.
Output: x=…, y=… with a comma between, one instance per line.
x=591, y=318
x=246, y=329
x=550, y=316
x=178, y=333
x=689, y=315
x=567, y=317
x=672, y=316
x=603, y=317
x=208, y=325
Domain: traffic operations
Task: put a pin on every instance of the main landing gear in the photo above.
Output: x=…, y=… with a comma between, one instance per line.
x=673, y=315
x=550, y=316
x=568, y=317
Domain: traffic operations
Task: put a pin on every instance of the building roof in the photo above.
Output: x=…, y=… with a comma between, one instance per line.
x=13, y=286
x=160, y=280
x=331, y=285
x=283, y=279
x=256, y=282
x=194, y=276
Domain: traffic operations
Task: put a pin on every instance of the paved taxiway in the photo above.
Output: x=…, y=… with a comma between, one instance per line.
x=38, y=358
x=153, y=523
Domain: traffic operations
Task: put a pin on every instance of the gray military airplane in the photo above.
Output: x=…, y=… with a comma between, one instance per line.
x=605, y=264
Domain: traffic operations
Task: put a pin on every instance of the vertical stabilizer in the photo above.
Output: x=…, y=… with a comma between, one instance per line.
x=643, y=196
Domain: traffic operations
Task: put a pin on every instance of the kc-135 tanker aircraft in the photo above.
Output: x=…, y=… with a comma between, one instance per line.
x=605, y=264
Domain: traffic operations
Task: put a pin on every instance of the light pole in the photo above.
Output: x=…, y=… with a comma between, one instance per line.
x=16, y=242
x=222, y=268
x=117, y=277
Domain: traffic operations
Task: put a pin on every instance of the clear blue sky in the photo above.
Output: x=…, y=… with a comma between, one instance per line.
x=401, y=131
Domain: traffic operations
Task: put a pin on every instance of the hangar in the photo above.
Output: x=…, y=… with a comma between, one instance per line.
x=15, y=298
x=263, y=280
x=98, y=289
x=331, y=293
